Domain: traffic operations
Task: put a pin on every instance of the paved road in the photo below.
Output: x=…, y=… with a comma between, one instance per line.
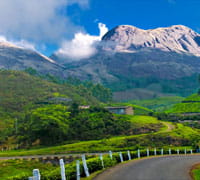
x=159, y=168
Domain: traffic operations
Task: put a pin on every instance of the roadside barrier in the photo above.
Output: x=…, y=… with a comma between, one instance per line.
x=108, y=159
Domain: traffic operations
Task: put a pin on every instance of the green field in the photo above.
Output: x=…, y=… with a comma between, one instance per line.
x=196, y=173
x=158, y=104
x=14, y=168
x=189, y=105
x=169, y=135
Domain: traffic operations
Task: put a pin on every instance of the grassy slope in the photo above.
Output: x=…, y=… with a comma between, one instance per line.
x=158, y=104
x=196, y=173
x=11, y=168
x=20, y=92
x=180, y=136
x=138, y=110
x=187, y=107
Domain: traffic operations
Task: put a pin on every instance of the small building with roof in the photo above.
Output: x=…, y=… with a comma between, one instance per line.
x=121, y=110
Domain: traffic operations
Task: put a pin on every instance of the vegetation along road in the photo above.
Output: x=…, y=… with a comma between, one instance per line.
x=157, y=168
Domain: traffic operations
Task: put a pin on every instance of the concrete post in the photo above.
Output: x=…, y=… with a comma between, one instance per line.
x=62, y=169
x=170, y=151
x=138, y=153
x=78, y=173
x=121, y=157
x=85, y=166
x=129, y=155
x=162, y=152
x=110, y=154
x=36, y=174
x=147, y=152
x=155, y=152
x=101, y=158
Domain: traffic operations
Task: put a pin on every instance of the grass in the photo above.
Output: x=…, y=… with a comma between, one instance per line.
x=138, y=110
x=196, y=172
x=11, y=168
x=179, y=136
x=158, y=104
x=189, y=105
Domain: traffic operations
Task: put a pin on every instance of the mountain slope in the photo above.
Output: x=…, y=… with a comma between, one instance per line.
x=20, y=91
x=17, y=58
x=163, y=60
x=157, y=71
x=189, y=105
x=176, y=38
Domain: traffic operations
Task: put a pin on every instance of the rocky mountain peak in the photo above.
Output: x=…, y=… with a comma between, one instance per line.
x=177, y=38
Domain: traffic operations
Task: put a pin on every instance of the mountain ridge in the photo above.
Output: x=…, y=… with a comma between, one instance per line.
x=127, y=38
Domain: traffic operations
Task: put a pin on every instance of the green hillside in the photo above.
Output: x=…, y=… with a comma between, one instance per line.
x=20, y=93
x=138, y=110
x=159, y=104
x=189, y=105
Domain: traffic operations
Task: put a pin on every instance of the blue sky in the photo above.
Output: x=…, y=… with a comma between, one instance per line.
x=141, y=13
x=51, y=25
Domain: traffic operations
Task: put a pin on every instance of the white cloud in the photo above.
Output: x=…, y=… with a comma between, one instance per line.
x=22, y=43
x=37, y=20
x=82, y=46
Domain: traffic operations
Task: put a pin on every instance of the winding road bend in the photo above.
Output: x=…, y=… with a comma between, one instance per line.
x=156, y=168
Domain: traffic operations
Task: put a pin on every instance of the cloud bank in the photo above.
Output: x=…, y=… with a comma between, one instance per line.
x=82, y=46
x=37, y=20
x=22, y=43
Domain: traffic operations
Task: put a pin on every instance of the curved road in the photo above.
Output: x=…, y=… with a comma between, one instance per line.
x=157, y=168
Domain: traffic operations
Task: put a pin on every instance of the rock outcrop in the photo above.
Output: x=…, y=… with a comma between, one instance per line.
x=176, y=38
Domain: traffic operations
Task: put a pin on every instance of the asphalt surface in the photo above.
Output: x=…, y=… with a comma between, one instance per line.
x=157, y=168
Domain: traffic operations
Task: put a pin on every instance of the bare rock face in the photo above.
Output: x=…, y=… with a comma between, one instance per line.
x=176, y=38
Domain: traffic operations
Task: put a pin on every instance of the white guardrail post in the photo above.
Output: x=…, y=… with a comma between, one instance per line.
x=147, y=152
x=138, y=154
x=121, y=157
x=101, y=158
x=129, y=155
x=170, y=151
x=178, y=152
x=62, y=169
x=110, y=154
x=85, y=166
x=155, y=152
x=78, y=173
x=162, y=152
x=36, y=174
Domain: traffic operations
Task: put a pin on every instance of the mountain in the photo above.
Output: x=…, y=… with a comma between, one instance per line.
x=134, y=63
x=163, y=60
x=17, y=58
x=176, y=38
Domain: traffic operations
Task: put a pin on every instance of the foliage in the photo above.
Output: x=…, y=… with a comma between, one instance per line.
x=196, y=173
x=49, y=124
x=13, y=169
x=21, y=93
x=179, y=135
x=138, y=110
x=53, y=124
x=158, y=104
x=190, y=105
x=94, y=164
x=100, y=92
